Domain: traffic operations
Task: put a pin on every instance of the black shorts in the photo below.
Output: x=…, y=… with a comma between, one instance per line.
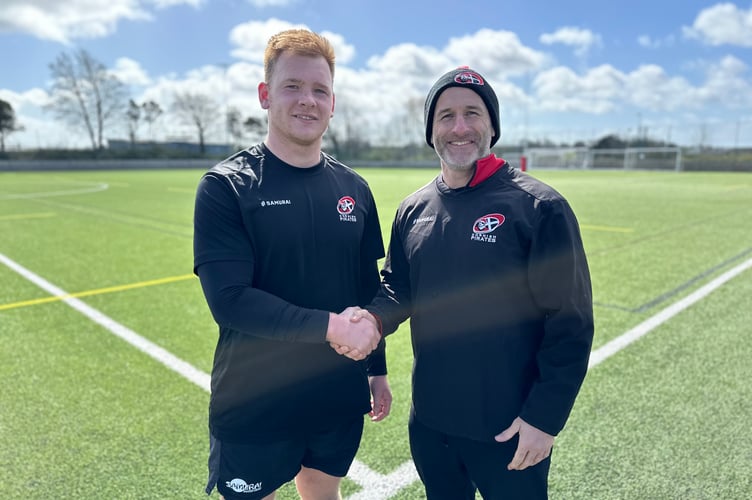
x=255, y=470
x=452, y=468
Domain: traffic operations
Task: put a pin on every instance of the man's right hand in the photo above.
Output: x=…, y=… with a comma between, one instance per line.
x=354, y=339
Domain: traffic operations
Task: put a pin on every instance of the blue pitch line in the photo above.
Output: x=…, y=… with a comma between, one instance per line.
x=664, y=297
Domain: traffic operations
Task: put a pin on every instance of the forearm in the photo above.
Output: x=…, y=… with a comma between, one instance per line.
x=376, y=361
x=562, y=366
x=237, y=305
x=391, y=308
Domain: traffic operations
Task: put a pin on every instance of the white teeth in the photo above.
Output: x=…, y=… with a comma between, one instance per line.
x=462, y=143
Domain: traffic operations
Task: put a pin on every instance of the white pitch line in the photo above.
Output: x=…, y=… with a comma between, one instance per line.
x=165, y=357
x=102, y=186
x=612, y=347
x=379, y=487
x=375, y=486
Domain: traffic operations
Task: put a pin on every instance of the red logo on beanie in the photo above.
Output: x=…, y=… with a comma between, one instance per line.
x=468, y=77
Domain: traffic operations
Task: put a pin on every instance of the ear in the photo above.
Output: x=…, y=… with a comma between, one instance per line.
x=334, y=98
x=263, y=95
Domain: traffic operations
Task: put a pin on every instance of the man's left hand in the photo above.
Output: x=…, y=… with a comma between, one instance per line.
x=534, y=445
x=381, y=397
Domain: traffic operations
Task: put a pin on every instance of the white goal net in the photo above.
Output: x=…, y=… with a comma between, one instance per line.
x=656, y=158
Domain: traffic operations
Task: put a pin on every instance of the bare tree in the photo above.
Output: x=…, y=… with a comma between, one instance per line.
x=84, y=93
x=134, y=117
x=343, y=136
x=238, y=128
x=255, y=126
x=198, y=110
x=235, y=126
x=8, y=123
x=152, y=111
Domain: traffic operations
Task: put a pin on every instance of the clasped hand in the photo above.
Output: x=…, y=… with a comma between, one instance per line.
x=352, y=337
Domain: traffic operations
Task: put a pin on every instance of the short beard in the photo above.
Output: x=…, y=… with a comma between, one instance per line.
x=446, y=159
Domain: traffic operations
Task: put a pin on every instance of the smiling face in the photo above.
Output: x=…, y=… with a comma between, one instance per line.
x=299, y=99
x=462, y=131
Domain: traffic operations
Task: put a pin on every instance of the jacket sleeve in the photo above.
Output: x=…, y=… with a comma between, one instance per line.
x=224, y=263
x=392, y=304
x=369, y=279
x=560, y=283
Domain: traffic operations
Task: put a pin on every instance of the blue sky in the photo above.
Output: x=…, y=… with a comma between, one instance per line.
x=564, y=71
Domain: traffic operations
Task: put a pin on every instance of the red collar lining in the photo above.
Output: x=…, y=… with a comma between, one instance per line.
x=485, y=168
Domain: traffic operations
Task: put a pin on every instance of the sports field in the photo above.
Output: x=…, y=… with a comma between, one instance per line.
x=106, y=341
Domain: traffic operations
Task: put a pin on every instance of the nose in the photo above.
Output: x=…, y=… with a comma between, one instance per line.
x=460, y=125
x=306, y=98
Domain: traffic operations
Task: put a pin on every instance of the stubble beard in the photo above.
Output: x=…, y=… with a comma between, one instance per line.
x=459, y=163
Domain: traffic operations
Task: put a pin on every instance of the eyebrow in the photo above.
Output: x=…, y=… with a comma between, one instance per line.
x=474, y=107
x=315, y=84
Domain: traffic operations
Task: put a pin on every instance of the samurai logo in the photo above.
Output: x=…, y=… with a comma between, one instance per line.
x=468, y=77
x=484, y=226
x=346, y=207
x=239, y=486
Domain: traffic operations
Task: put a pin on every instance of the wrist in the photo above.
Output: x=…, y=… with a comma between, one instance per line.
x=333, y=327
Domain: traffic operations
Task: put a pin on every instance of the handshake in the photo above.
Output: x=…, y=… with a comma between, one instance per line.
x=353, y=333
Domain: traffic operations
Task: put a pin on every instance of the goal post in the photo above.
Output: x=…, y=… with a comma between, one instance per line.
x=648, y=158
x=655, y=158
x=556, y=158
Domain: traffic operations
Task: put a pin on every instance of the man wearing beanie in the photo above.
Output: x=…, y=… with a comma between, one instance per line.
x=488, y=264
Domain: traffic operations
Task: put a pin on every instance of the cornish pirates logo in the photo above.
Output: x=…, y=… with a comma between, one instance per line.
x=484, y=226
x=346, y=209
x=469, y=78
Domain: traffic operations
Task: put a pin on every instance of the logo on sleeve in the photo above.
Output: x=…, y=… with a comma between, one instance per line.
x=346, y=209
x=484, y=226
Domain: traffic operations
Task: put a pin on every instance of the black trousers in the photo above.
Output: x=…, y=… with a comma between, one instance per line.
x=452, y=468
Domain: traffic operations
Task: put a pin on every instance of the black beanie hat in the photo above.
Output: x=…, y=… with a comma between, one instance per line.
x=467, y=78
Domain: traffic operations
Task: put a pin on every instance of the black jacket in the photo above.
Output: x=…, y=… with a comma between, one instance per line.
x=496, y=285
x=277, y=248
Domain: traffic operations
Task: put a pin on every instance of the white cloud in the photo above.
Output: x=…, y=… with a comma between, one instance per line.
x=581, y=39
x=31, y=99
x=41, y=132
x=655, y=43
x=382, y=101
x=65, y=20
x=343, y=50
x=650, y=88
x=408, y=59
x=163, y=4
x=494, y=52
x=605, y=89
x=727, y=86
x=722, y=24
x=270, y=3
x=560, y=89
x=251, y=37
x=130, y=72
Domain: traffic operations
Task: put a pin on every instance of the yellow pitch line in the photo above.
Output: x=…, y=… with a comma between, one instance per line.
x=27, y=216
x=608, y=228
x=98, y=291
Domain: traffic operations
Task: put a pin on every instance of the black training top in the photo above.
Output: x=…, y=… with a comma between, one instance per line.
x=277, y=248
x=496, y=285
